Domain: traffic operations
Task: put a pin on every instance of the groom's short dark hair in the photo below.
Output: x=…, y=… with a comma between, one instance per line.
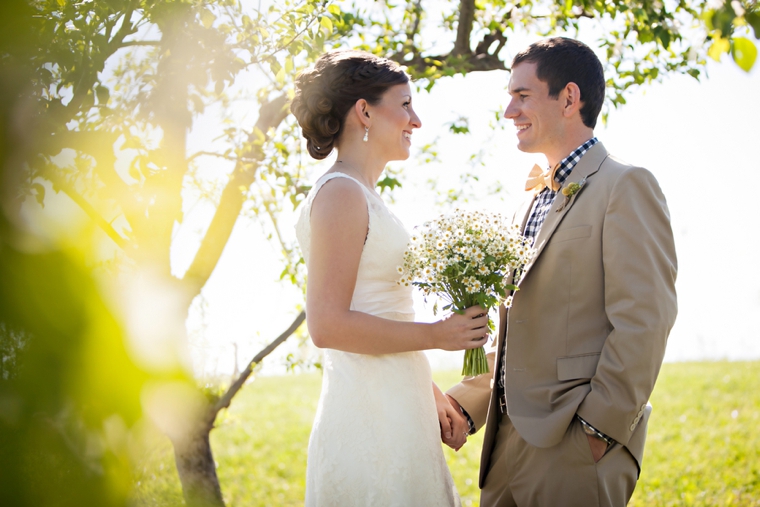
x=560, y=60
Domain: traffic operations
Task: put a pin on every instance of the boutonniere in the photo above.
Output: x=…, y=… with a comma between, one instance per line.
x=569, y=191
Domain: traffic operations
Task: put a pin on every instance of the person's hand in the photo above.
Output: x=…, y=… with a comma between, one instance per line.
x=454, y=427
x=598, y=447
x=462, y=332
x=459, y=427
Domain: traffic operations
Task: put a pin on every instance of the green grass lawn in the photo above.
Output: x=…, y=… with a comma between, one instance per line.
x=703, y=446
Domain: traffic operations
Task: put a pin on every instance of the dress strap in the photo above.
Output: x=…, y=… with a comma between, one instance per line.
x=330, y=176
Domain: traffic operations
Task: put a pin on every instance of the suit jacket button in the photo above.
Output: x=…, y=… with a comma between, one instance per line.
x=633, y=427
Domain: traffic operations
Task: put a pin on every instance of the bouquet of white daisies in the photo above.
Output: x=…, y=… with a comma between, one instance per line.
x=467, y=258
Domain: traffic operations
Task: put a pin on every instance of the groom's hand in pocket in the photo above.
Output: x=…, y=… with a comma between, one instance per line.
x=598, y=447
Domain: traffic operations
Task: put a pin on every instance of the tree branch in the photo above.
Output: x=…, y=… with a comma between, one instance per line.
x=88, y=208
x=125, y=29
x=416, y=25
x=271, y=115
x=484, y=45
x=470, y=63
x=220, y=155
x=226, y=399
x=140, y=43
x=464, y=27
x=99, y=145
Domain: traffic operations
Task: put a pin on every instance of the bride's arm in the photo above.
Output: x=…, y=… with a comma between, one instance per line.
x=339, y=225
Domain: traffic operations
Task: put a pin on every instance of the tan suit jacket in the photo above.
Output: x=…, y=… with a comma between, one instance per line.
x=587, y=330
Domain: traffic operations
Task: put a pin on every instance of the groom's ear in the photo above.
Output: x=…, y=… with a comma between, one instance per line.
x=571, y=95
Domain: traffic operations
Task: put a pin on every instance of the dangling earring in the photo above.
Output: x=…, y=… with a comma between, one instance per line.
x=366, y=134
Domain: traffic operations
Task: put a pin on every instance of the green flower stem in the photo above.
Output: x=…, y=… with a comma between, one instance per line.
x=475, y=362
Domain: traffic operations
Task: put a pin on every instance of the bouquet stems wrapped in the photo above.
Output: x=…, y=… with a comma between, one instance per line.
x=467, y=258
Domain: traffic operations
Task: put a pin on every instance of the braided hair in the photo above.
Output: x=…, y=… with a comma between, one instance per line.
x=326, y=93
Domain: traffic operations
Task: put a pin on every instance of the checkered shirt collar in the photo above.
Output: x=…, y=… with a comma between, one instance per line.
x=567, y=164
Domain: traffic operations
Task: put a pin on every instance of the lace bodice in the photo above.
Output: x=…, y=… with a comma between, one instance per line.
x=376, y=290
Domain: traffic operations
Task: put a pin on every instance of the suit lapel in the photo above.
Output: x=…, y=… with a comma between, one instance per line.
x=523, y=212
x=586, y=167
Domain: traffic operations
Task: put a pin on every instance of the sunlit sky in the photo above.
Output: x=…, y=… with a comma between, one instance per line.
x=699, y=140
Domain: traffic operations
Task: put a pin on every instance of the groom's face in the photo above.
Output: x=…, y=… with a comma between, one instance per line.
x=536, y=115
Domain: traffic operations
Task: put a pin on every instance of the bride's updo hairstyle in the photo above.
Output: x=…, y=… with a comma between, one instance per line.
x=326, y=93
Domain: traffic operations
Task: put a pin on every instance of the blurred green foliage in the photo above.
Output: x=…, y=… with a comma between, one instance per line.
x=70, y=396
x=71, y=422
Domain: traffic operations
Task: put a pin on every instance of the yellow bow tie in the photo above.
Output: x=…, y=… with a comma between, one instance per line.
x=538, y=179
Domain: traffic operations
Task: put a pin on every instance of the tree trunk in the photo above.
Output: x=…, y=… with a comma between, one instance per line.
x=464, y=27
x=197, y=470
x=192, y=453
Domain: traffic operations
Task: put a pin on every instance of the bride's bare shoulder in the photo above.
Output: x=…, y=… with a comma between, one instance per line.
x=339, y=200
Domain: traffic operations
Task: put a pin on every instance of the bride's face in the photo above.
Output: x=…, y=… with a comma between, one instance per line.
x=393, y=121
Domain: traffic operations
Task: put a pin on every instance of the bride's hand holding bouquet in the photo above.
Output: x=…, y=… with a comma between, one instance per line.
x=467, y=258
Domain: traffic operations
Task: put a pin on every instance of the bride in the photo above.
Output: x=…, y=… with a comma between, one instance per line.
x=376, y=435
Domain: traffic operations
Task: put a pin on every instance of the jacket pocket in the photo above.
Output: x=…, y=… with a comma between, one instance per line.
x=581, y=231
x=576, y=367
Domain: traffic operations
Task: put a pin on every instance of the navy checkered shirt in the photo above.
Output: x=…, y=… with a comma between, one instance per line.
x=538, y=213
x=546, y=197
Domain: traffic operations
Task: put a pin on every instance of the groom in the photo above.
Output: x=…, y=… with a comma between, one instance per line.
x=577, y=355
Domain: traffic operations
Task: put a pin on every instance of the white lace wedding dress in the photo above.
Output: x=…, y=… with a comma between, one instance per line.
x=376, y=438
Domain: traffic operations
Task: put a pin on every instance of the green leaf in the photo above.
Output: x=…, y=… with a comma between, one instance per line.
x=103, y=94
x=334, y=9
x=753, y=19
x=207, y=18
x=260, y=137
x=274, y=65
x=744, y=52
x=326, y=24
x=723, y=19
x=295, y=47
x=460, y=126
x=664, y=37
x=718, y=47
x=388, y=183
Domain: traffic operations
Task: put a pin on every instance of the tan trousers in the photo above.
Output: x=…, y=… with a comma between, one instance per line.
x=521, y=475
